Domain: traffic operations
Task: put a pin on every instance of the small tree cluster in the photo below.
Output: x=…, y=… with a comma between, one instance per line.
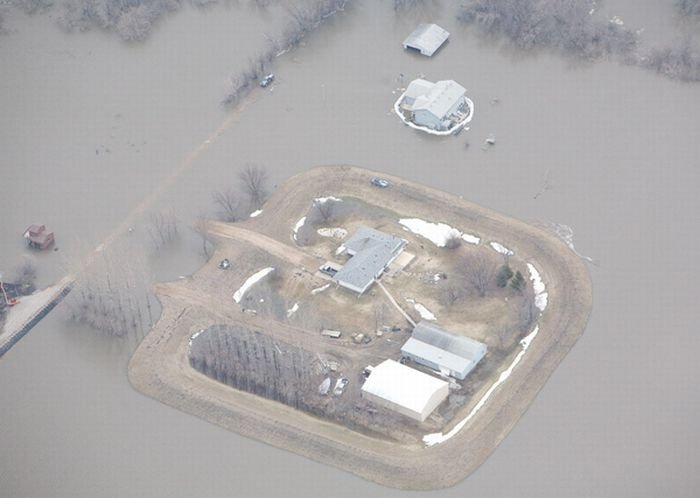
x=478, y=268
x=25, y=274
x=687, y=8
x=503, y=276
x=562, y=25
x=111, y=295
x=518, y=283
x=228, y=203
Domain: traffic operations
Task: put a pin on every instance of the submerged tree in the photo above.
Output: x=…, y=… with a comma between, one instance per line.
x=253, y=181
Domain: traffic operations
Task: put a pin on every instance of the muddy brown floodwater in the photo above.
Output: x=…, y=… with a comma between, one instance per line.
x=619, y=145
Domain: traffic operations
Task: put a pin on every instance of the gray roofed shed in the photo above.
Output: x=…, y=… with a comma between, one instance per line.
x=438, y=349
x=426, y=38
x=371, y=252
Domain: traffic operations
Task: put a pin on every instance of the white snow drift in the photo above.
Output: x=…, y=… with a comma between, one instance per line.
x=252, y=280
x=437, y=233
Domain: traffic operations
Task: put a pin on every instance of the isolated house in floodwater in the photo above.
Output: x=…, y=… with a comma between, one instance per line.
x=434, y=105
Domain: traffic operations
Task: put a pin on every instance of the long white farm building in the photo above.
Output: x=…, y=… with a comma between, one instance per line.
x=404, y=390
x=435, y=348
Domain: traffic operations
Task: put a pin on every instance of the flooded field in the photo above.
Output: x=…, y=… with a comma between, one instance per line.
x=92, y=126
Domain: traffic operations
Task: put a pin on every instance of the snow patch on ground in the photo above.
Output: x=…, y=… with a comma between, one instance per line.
x=252, y=280
x=318, y=290
x=439, y=437
x=424, y=312
x=255, y=214
x=499, y=248
x=336, y=233
x=293, y=309
x=194, y=336
x=299, y=224
x=323, y=200
x=539, y=288
x=437, y=233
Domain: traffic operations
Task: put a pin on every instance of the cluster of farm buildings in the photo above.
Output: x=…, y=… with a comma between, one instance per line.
x=440, y=106
x=394, y=384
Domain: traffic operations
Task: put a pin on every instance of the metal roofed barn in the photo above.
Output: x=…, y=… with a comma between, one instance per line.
x=404, y=390
x=426, y=38
x=440, y=350
x=371, y=252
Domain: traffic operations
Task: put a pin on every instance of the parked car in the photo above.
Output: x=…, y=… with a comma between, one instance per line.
x=379, y=182
x=340, y=386
x=267, y=80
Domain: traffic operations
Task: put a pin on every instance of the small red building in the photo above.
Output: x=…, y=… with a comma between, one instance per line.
x=38, y=236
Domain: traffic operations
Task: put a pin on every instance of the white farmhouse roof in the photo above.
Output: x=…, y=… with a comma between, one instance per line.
x=426, y=38
x=405, y=387
x=440, y=98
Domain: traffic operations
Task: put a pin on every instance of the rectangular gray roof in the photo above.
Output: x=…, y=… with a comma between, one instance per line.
x=459, y=345
x=371, y=251
x=426, y=38
x=432, y=346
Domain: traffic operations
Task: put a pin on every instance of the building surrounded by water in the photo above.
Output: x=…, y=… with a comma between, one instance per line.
x=404, y=390
x=436, y=348
x=437, y=106
x=371, y=252
x=426, y=38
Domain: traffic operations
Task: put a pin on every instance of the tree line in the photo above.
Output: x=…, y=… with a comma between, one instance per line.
x=256, y=363
x=569, y=26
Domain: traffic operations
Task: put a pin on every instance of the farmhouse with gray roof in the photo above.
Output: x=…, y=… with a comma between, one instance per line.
x=435, y=348
x=371, y=252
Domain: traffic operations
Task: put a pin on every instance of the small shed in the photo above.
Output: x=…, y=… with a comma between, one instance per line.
x=404, y=389
x=426, y=38
x=37, y=236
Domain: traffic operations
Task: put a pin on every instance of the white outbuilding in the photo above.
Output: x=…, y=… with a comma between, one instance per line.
x=404, y=390
x=435, y=105
x=449, y=354
x=426, y=38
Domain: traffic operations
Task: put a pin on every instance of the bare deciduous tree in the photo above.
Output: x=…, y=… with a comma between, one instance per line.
x=527, y=311
x=452, y=291
x=228, y=203
x=25, y=272
x=163, y=228
x=201, y=228
x=253, y=181
x=478, y=268
x=325, y=209
x=453, y=240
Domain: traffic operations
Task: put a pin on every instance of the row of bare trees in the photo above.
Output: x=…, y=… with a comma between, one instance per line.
x=304, y=18
x=256, y=363
x=111, y=294
x=570, y=27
